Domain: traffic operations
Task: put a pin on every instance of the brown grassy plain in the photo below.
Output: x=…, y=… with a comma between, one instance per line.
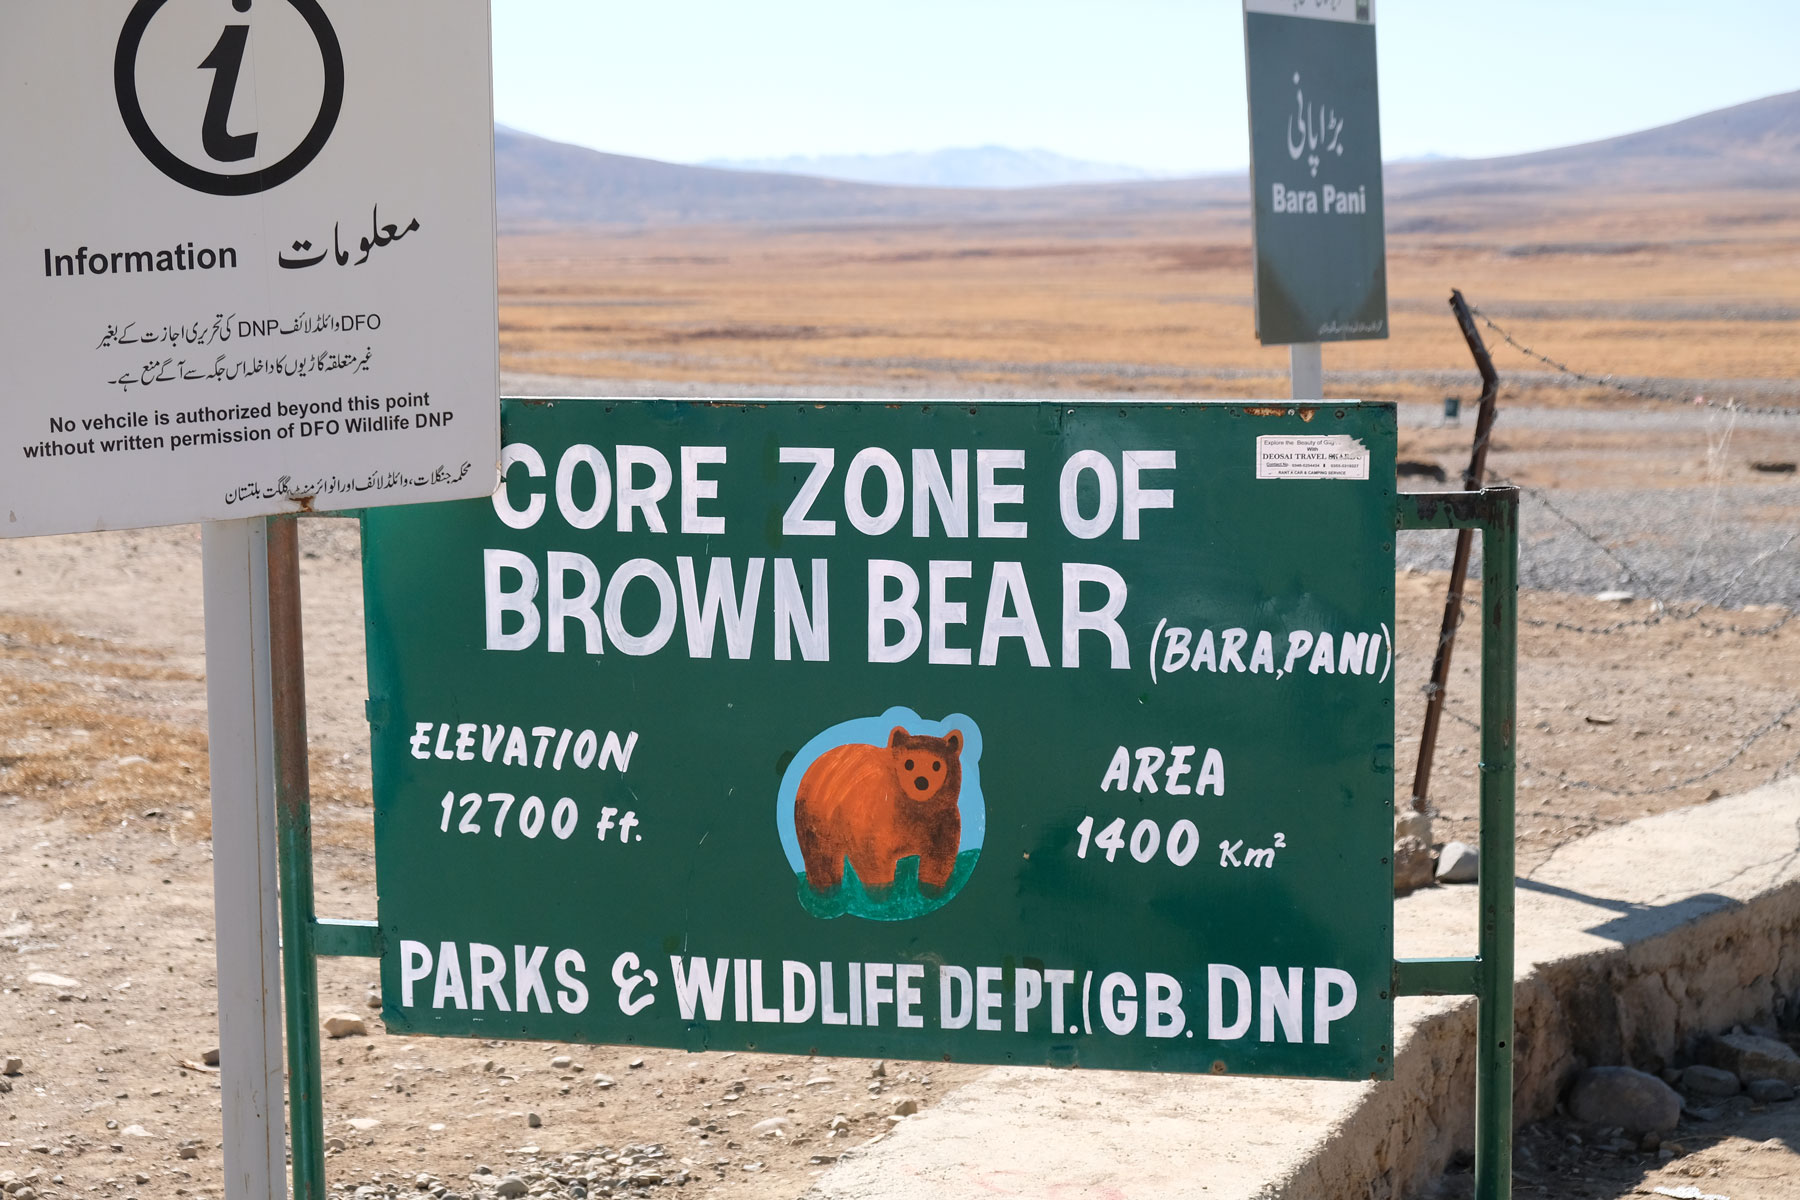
x=1695, y=288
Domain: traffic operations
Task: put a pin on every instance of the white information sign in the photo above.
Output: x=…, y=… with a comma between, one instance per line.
x=246, y=259
x=1323, y=456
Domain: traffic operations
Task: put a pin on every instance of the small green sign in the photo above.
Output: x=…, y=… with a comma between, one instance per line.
x=1041, y=733
x=1315, y=171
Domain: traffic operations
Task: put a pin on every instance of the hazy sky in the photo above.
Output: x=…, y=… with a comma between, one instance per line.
x=1152, y=83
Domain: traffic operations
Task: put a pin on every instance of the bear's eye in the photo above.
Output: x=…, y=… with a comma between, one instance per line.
x=909, y=765
x=936, y=765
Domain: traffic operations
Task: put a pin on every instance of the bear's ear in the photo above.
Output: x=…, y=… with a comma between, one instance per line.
x=897, y=737
x=954, y=741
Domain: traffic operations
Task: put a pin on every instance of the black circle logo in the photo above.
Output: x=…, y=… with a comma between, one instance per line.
x=225, y=61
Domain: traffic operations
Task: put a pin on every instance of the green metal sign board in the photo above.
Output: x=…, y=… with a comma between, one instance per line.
x=1315, y=170
x=1040, y=733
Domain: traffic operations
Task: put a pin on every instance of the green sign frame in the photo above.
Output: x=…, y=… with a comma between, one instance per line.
x=1315, y=171
x=916, y=719
x=1299, y=536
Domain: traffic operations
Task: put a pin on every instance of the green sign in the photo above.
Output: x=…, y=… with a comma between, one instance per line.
x=1040, y=733
x=1315, y=170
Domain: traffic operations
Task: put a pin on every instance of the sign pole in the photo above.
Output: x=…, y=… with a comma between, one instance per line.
x=1306, y=371
x=1499, y=688
x=240, y=727
x=293, y=798
x=1488, y=976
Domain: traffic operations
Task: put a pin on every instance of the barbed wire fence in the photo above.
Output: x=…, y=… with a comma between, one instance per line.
x=1618, y=385
x=1666, y=605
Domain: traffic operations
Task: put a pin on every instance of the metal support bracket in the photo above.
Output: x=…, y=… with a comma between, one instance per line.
x=1489, y=975
x=346, y=939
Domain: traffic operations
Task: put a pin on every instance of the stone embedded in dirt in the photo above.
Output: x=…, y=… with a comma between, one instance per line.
x=1412, y=864
x=533, y=1121
x=604, y=1081
x=1750, y=1057
x=373, y=1000
x=1615, y=597
x=1411, y=823
x=187, y=1150
x=1769, y=1091
x=135, y=1131
x=1631, y=1100
x=362, y=1124
x=12, y=1065
x=342, y=1025
x=772, y=1127
x=511, y=1187
x=636, y=1063
x=46, y=979
x=905, y=1106
x=1710, y=1081
x=211, y=1057
x=561, y=1062
x=1458, y=863
x=1704, y=1113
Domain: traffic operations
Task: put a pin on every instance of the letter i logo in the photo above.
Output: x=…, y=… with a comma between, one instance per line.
x=185, y=28
x=226, y=62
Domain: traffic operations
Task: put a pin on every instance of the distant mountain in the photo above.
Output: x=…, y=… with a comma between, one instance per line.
x=543, y=184
x=549, y=184
x=1748, y=145
x=967, y=167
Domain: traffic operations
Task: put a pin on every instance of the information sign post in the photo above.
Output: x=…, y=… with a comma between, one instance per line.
x=246, y=268
x=1315, y=178
x=987, y=731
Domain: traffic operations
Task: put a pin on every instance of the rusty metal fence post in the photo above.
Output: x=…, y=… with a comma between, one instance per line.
x=304, y=935
x=1459, y=565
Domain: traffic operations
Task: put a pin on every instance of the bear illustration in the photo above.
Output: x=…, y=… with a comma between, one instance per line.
x=876, y=805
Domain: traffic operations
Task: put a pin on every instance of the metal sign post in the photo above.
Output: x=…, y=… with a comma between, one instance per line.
x=1306, y=371
x=240, y=731
x=1488, y=975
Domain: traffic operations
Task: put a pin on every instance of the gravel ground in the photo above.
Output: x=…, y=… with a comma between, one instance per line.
x=950, y=380
x=1731, y=546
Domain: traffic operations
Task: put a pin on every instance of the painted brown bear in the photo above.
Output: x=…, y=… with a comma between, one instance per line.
x=876, y=805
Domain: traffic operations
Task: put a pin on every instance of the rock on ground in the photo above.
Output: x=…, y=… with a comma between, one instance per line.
x=1767, y=1091
x=1710, y=1081
x=1412, y=864
x=1627, y=1098
x=1458, y=863
x=1749, y=1056
x=341, y=1025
